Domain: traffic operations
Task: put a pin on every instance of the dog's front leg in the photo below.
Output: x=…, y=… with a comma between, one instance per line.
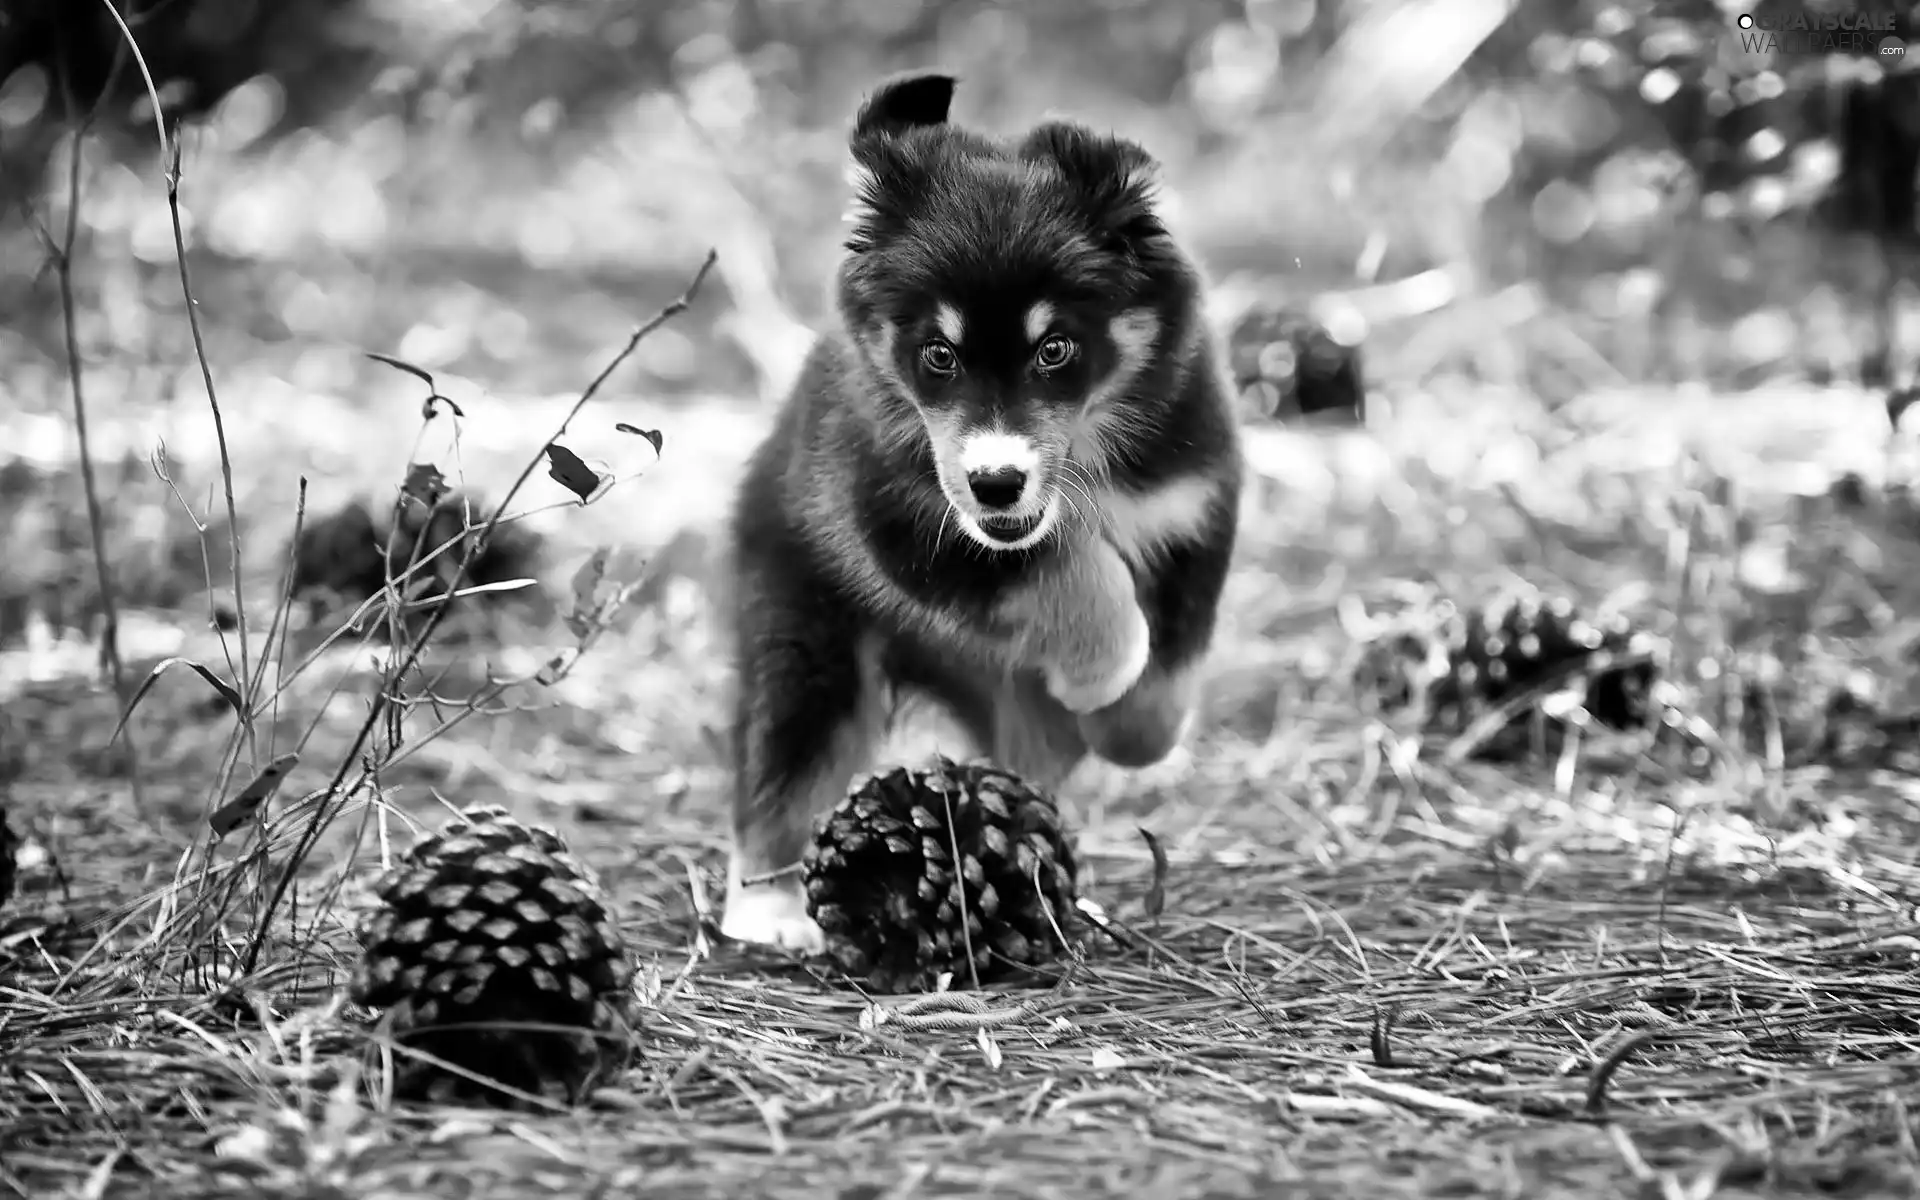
x=1180, y=598
x=1079, y=623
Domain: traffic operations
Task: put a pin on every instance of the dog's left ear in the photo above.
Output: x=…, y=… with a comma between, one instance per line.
x=1114, y=179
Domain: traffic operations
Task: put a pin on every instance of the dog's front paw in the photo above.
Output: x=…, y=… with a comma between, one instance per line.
x=771, y=914
x=1143, y=729
x=1089, y=687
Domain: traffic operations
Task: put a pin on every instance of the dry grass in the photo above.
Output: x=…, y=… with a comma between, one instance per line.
x=1429, y=1016
x=1371, y=975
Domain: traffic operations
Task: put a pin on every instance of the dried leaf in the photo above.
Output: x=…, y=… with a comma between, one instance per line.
x=401, y=364
x=586, y=592
x=241, y=809
x=425, y=483
x=498, y=585
x=989, y=1049
x=571, y=471
x=1380, y=1038
x=587, y=580
x=502, y=585
x=1105, y=1059
x=1156, y=898
x=654, y=436
x=226, y=690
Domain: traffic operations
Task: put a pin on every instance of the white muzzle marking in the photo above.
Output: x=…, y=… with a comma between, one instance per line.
x=991, y=450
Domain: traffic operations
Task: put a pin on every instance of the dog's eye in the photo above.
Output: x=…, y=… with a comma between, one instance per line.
x=939, y=358
x=1055, y=352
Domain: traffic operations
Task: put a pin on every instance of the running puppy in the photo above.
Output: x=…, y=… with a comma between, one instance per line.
x=1009, y=480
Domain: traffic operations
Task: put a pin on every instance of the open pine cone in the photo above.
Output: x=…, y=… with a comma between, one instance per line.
x=918, y=868
x=1452, y=666
x=484, y=928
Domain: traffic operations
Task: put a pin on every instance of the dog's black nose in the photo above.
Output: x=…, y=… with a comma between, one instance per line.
x=998, y=488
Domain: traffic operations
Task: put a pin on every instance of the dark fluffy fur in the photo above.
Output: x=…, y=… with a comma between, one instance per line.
x=855, y=584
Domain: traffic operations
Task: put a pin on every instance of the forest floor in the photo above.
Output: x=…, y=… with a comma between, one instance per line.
x=1373, y=973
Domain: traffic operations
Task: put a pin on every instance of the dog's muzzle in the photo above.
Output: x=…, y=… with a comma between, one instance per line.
x=1011, y=530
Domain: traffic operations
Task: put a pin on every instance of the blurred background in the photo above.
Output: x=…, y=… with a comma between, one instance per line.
x=1491, y=198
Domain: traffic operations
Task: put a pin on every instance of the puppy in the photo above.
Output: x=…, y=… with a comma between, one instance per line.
x=1008, y=480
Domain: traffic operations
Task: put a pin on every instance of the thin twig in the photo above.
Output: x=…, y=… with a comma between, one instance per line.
x=170, y=156
x=244, y=679
x=96, y=524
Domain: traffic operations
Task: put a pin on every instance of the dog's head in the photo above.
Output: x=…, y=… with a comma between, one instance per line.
x=1004, y=294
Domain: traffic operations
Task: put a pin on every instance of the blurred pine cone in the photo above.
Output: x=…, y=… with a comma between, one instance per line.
x=1286, y=364
x=352, y=554
x=1828, y=713
x=882, y=880
x=489, y=923
x=1451, y=666
x=9, y=846
x=12, y=761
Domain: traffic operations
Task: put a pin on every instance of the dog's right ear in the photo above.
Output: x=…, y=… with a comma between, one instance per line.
x=905, y=102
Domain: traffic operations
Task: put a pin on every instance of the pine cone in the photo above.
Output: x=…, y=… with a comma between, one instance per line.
x=1826, y=712
x=12, y=763
x=351, y=553
x=1454, y=666
x=488, y=922
x=881, y=878
x=9, y=846
x=1286, y=364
